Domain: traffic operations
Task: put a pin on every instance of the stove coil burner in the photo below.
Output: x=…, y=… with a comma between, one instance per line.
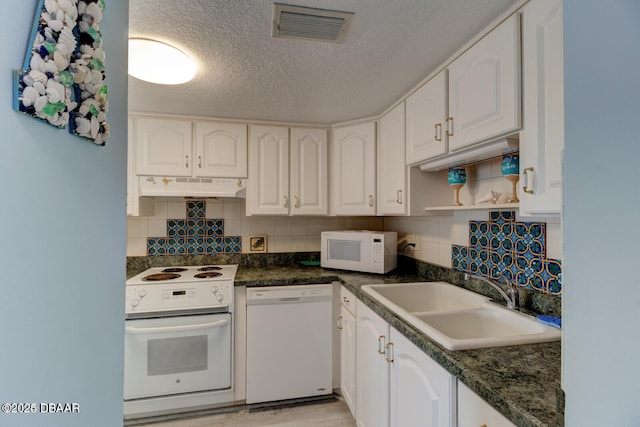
x=207, y=274
x=211, y=268
x=160, y=276
x=174, y=270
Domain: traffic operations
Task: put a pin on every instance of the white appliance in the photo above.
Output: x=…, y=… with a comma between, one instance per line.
x=289, y=342
x=162, y=186
x=359, y=250
x=178, y=339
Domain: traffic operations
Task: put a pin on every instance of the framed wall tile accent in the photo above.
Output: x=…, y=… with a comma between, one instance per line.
x=194, y=235
x=504, y=249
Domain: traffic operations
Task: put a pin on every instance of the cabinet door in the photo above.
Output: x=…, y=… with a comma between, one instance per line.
x=372, y=369
x=163, y=147
x=268, y=177
x=353, y=170
x=421, y=391
x=473, y=411
x=542, y=138
x=348, y=358
x=392, y=171
x=221, y=150
x=309, y=182
x=426, y=120
x=484, y=88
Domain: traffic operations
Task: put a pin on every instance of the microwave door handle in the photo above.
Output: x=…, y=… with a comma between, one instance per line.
x=163, y=329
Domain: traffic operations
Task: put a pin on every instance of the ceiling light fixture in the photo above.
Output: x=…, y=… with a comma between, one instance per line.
x=160, y=63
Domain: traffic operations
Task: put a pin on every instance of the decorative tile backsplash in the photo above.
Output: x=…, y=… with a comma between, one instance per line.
x=194, y=235
x=505, y=249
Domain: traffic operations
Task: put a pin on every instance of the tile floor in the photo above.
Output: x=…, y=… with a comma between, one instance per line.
x=332, y=414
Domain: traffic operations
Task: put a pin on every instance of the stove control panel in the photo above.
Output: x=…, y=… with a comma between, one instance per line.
x=187, y=296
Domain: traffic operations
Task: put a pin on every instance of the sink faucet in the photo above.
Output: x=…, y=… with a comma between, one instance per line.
x=512, y=295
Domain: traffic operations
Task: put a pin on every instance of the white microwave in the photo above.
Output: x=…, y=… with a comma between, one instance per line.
x=359, y=250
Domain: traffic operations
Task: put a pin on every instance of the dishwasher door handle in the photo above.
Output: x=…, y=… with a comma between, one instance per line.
x=290, y=299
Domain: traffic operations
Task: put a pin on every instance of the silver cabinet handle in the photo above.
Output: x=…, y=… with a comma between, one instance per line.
x=438, y=130
x=186, y=161
x=370, y=200
x=286, y=202
x=449, y=128
x=399, y=197
x=389, y=352
x=296, y=203
x=381, y=339
x=528, y=177
x=200, y=162
x=339, y=322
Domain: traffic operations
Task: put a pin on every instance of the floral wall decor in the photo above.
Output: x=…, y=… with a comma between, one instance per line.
x=62, y=79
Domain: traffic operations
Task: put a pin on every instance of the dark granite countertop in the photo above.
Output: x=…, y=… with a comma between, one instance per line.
x=522, y=382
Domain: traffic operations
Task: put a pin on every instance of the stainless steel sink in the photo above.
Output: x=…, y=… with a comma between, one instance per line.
x=459, y=319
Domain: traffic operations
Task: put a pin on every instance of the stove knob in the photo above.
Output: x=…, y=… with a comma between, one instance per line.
x=214, y=289
x=135, y=302
x=142, y=293
x=220, y=297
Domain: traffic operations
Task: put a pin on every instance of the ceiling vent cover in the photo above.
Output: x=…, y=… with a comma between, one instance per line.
x=309, y=23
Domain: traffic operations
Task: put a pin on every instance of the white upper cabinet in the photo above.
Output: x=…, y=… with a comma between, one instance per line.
x=426, y=120
x=268, y=180
x=353, y=170
x=287, y=177
x=484, y=88
x=309, y=180
x=163, y=147
x=392, y=171
x=167, y=147
x=542, y=138
x=220, y=150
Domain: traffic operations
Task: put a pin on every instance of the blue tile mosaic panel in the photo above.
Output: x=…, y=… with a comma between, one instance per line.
x=194, y=235
x=504, y=249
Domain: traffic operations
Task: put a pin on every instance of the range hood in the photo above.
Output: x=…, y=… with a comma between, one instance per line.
x=164, y=186
x=471, y=155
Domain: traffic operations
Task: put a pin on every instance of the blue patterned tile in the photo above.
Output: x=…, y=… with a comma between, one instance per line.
x=502, y=217
x=195, y=245
x=501, y=238
x=214, y=227
x=479, y=233
x=176, y=246
x=156, y=246
x=176, y=227
x=480, y=262
x=501, y=266
x=530, y=274
x=196, y=227
x=456, y=257
x=232, y=244
x=196, y=209
x=530, y=239
x=553, y=272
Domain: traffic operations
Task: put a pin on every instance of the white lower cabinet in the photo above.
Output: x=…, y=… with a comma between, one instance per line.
x=473, y=411
x=397, y=384
x=422, y=392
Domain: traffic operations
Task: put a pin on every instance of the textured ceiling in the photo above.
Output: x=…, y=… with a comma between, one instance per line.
x=244, y=73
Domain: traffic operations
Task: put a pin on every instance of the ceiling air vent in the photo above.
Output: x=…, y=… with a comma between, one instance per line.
x=309, y=23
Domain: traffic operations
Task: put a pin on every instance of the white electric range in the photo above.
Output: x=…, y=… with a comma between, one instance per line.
x=178, y=339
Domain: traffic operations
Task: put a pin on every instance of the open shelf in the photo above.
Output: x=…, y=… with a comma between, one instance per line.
x=497, y=206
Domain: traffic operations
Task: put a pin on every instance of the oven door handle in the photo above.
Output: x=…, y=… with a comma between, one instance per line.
x=162, y=329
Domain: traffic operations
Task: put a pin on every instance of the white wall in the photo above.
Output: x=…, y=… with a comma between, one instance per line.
x=601, y=204
x=63, y=218
x=284, y=234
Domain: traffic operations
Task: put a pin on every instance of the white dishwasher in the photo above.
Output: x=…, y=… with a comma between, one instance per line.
x=289, y=335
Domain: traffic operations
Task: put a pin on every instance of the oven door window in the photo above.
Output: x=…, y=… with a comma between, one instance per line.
x=176, y=355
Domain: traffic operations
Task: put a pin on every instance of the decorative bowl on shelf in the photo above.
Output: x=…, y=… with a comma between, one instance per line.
x=511, y=171
x=457, y=177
